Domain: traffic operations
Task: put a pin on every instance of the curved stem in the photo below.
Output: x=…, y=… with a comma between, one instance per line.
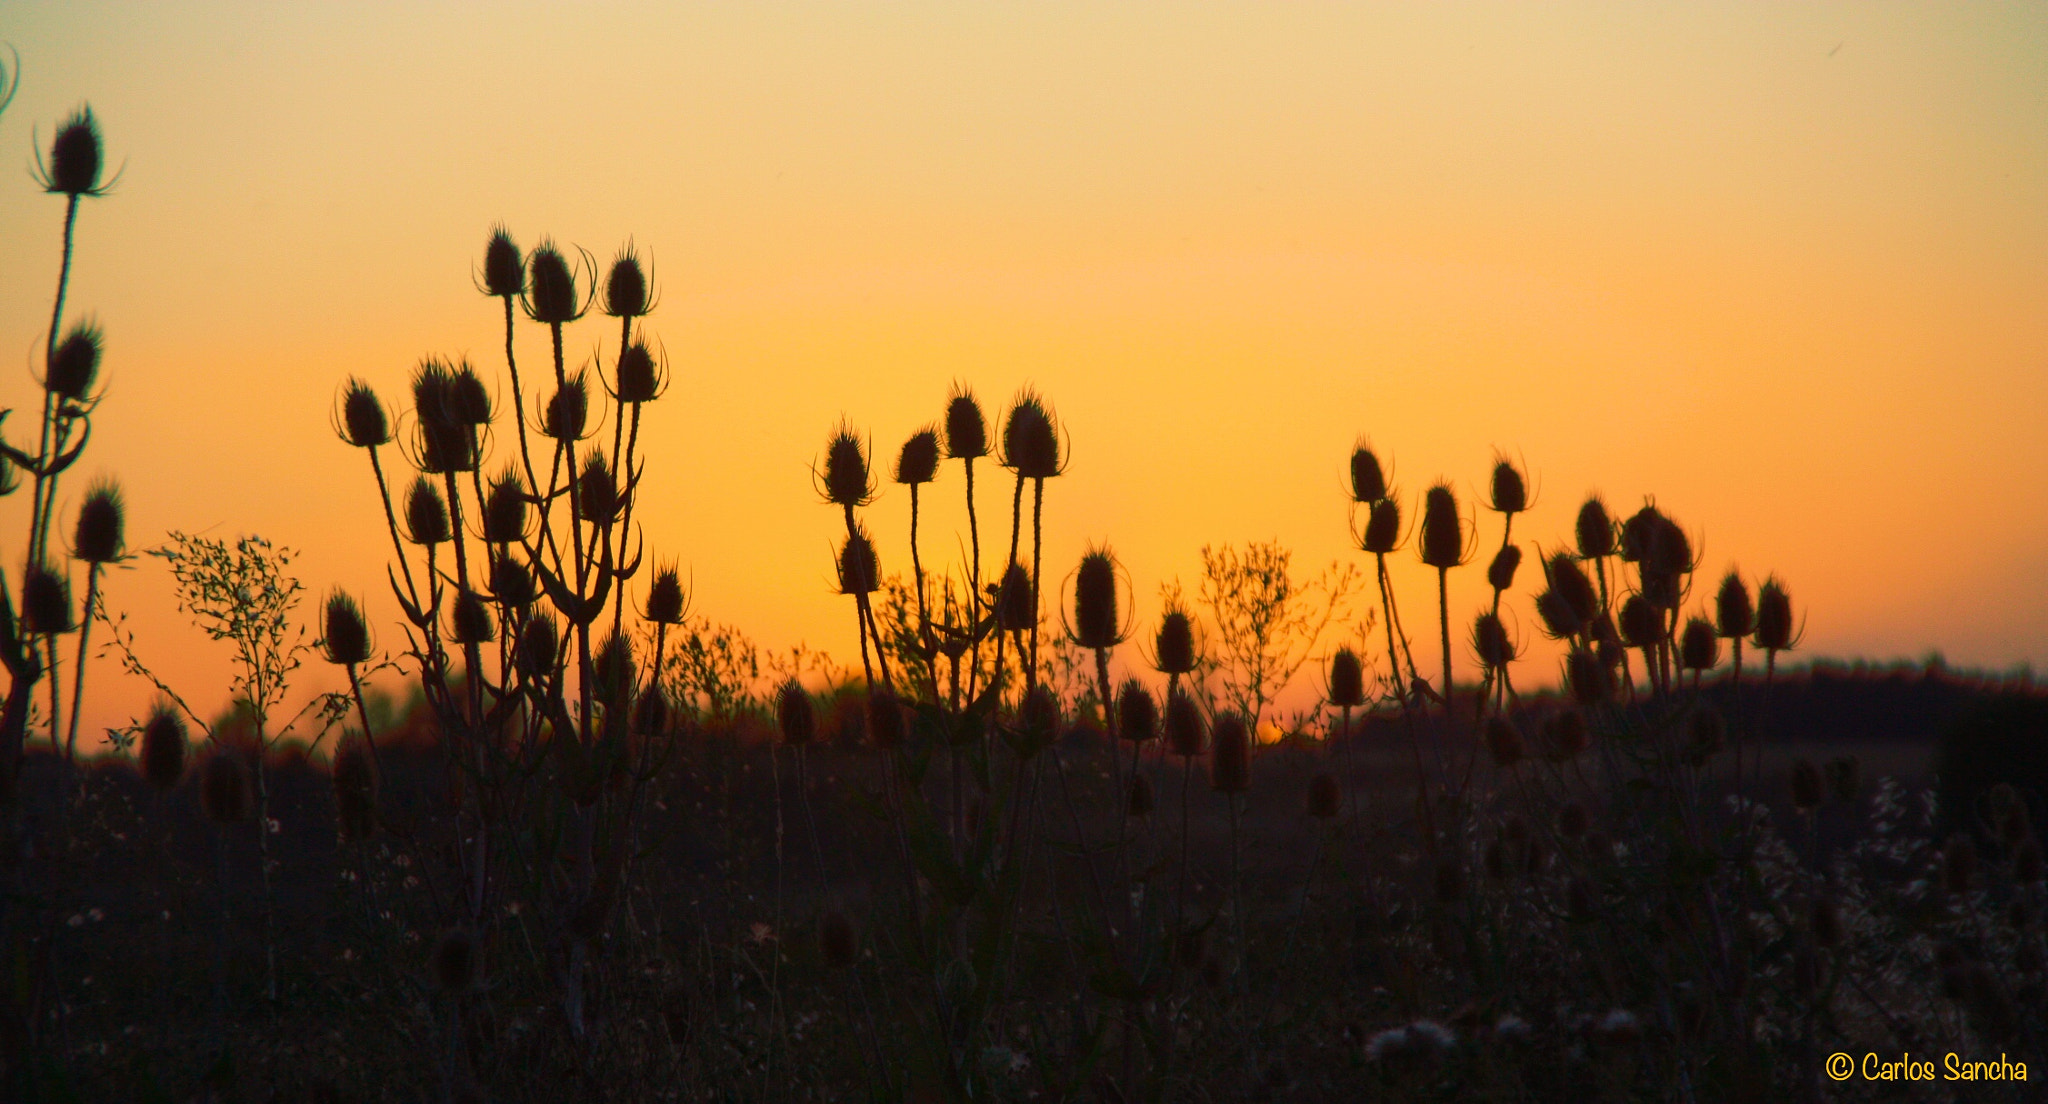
x=92, y=593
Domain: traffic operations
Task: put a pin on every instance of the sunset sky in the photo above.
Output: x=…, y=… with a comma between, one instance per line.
x=1784, y=267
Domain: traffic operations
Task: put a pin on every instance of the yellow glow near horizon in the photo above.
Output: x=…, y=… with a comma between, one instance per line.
x=1782, y=268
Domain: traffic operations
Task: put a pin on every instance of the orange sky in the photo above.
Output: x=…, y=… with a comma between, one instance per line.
x=1783, y=267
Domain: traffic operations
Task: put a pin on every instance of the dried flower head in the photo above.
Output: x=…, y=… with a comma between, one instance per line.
x=1383, y=527
x=597, y=491
x=567, y=415
x=1096, y=616
x=551, y=296
x=224, y=788
x=1186, y=731
x=1560, y=621
x=613, y=667
x=666, y=603
x=1031, y=441
x=1230, y=759
x=362, y=421
x=1592, y=682
x=1594, y=530
x=1174, y=645
x=540, y=647
x=1325, y=797
x=505, y=509
x=163, y=746
x=918, y=461
x=1641, y=625
x=888, y=722
x=626, y=292
x=345, y=633
x=355, y=790
x=426, y=513
x=1510, y=490
x=1039, y=713
x=1490, y=642
x=1443, y=528
x=640, y=378
x=860, y=570
x=75, y=362
x=98, y=536
x=651, y=712
x=45, y=600
x=1500, y=574
x=1774, y=630
x=504, y=273
x=1734, y=616
x=75, y=159
x=844, y=480
x=470, y=620
x=1016, y=608
x=1699, y=649
x=1137, y=715
x=511, y=582
x=966, y=428
x=795, y=714
x=1347, y=679
x=468, y=400
x=1562, y=571
x=1368, y=481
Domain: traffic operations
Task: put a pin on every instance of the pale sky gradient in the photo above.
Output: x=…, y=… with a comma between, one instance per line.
x=1785, y=267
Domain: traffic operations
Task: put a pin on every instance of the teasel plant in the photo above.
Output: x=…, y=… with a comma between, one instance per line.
x=1031, y=449
x=1381, y=536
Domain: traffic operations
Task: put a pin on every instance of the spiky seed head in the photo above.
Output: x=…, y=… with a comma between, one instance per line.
x=1230, y=755
x=1698, y=648
x=613, y=666
x=1641, y=625
x=345, y=633
x=1368, y=481
x=1510, y=491
x=1807, y=789
x=74, y=167
x=1039, y=713
x=1503, y=741
x=470, y=620
x=1565, y=735
x=887, y=720
x=512, y=582
x=355, y=790
x=1500, y=574
x=1137, y=715
x=651, y=713
x=918, y=462
x=1450, y=879
x=1325, y=797
x=1031, y=441
x=98, y=536
x=597, y=492
x=1595, y=529
x=504, y=266
x=1174, y=645
x=363, y=421
x=1185, y=729
x=1491, y=643
x=1573, y=820
x=224, y=788
x=551, y=286
x=45, y=600
x=860, y=571
x=453, y=964
x=1706, y=736
x=568, y=411
x=665, y=601
x=1383, y=527
x=163, y=747
x=1663, y=589
x=966, y=428
x=845, y=476
x=640, y=376
x=505, y=510
x=75, y=363
x=1560, y=621
x=1734, y=615
x=1567, y=578
x=1637, y=532
x=1095, y=607
x=795, y=714
x=1591, y=681
x=1603, y=632
x=1958, y=863
x=426, y=513
x=1016, y=609
x=1773, y=616
x=1443, y=528
x=469, y=401
x=626, y=294
x=433, y=392
x=1347, y=679
x=540, y=645
x=838, y=945
x=1138, y=801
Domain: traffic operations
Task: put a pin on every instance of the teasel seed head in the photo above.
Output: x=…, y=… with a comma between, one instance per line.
x=1383, y=527
x=469, y=401
x=1958, y=864
x=860, y=571
x=1039, y=713
x=355, y=789
x=652, y=713
x=1138, y=799
x=1842, y=773
x=1774, y=631
x=364, y=423
x=504, y=273
x=1096, y=616
x=567, y=415
x=614, y=669
x=1230, y=758
x=1565, y=735
x=540, y=646
x=426, y=513
x=1568, y=579
x=453, y=963
x=1491, y=643
x=98, y=536
x=1500, y=574
x=512, y=583
x=1450, y=879
x=640, y=376
x=1443, y=528
x=626, y=291
x=966, y=428
x=345, y=633
x=1174, y=645
x=45, y=600
x=75, y=363
x=1560, y=621
x=1325, y=797
x=1573, y=820
x=1031, y=441
x=597, y=492
x=1510, y=490
x=1698, y=648
x=1592, y=682
x=795, y=714
x=470, y=620
x=666, y=603
x=838, y=945
x=551, y=297
x=1641, y=625
x=918, y=462
x=505, y=510
x=75, y=162
x=1594, y=530
x=1347, y=679
x=1185, y=729
x=888, y=722
x=1734, y=616
x=163, y=747
x=1664, y=590
x=1807, y=789
x=224, y=788
x=1368, y=481
x=1503, y=741
x=844, y=480
x=1137, y=715
x=1016, y=609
